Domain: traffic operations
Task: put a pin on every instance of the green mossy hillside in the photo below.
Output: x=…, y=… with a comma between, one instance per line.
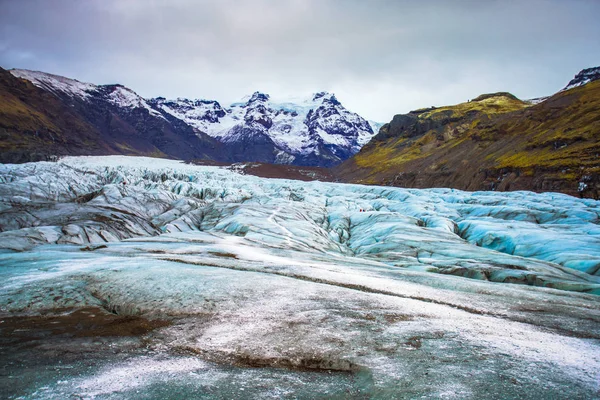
x=493, y=141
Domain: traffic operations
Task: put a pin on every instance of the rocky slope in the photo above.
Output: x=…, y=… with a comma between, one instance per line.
x=583, y=77
x=35, y=124
x=314, y=132
x=45, y=115
x=494, y=142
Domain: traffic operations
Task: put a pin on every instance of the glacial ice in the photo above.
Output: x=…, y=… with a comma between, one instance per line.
x=433, y=293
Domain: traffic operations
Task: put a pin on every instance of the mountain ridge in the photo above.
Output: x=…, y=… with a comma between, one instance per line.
x=304, y=131
x=116, y=120
x=317, y=132
x=494, y=142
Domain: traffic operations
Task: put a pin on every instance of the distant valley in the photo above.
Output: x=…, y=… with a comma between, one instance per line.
x=493, y=142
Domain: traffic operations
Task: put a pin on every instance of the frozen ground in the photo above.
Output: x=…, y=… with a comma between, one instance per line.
x=276, y=288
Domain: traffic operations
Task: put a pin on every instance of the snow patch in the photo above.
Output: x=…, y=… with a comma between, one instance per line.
x=56, y=83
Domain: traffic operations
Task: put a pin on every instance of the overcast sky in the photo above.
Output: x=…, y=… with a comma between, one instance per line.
x=379, y=57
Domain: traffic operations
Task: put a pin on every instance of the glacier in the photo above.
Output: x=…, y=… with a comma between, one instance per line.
x=276, y=288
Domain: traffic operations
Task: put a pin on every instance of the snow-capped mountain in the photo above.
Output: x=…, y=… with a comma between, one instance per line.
x=118, y=95
x=584, y=76
x=316, y=131
x=55, y=83
x=536, y=100
x=114, y=120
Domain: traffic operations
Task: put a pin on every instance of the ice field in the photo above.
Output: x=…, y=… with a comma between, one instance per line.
x=286, y=289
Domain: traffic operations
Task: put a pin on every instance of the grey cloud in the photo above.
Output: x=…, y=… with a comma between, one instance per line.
x=380, y=57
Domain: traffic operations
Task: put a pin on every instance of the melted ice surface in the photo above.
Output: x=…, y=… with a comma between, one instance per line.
x=409, y=296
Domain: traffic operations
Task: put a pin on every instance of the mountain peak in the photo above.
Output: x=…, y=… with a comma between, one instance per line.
x=55, y=83
x=320, y=95
x=258, y=96
x=486, y=96
x=583, y=77
x=326, y=97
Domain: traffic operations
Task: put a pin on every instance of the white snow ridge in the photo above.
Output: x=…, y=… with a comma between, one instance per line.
x=118, y=95
x=325, y=290
x=56, y=83
x=584, y=77
x=296, y=126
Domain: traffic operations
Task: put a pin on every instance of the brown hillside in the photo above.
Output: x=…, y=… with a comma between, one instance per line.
x=35, y=124
x=495, y=142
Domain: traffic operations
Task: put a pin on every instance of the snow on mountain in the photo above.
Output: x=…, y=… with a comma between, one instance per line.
x=585, y=76
x=55, y=83
x=297, y=127
x=117, y=95
x=375, y=126
x=317, y=130
x=126, y=98
x=201, y=114
x=537, y=100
